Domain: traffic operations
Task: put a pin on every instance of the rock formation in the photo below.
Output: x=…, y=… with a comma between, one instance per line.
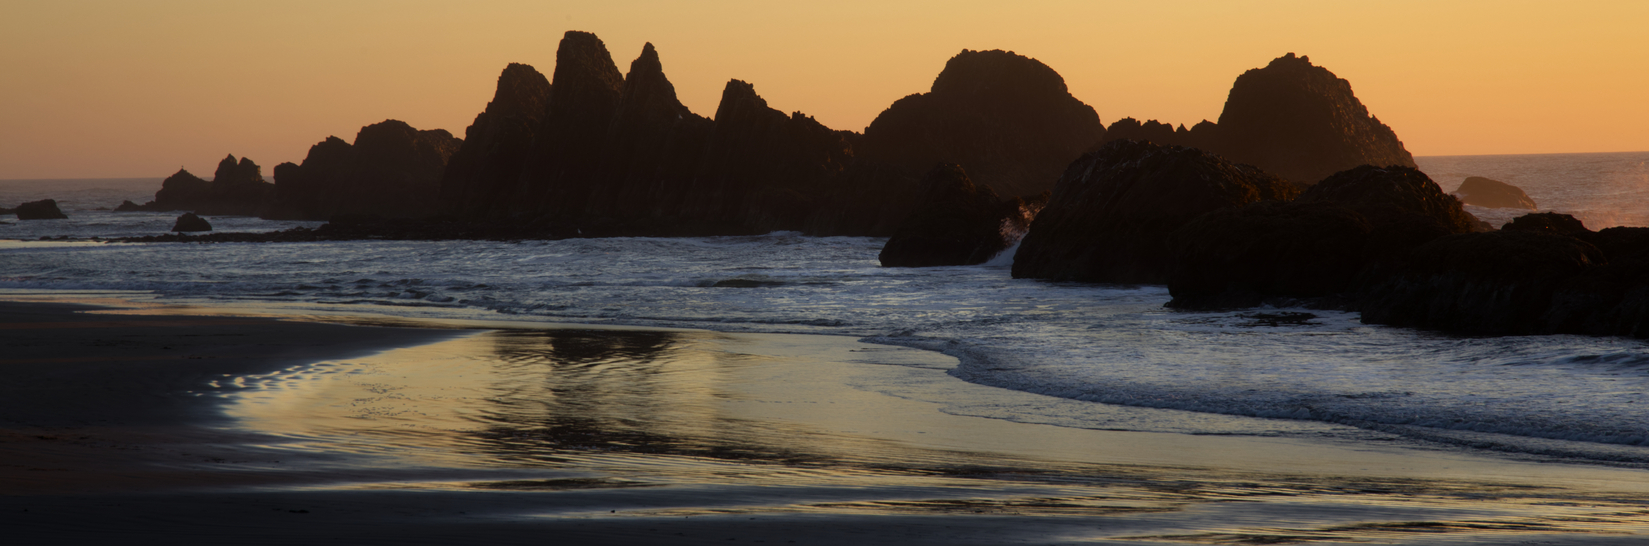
x=1404, y=207
x=236, y=189
x=44, y=209
x=1302, y=123
x=487, y=167
x=1243, y=257
x=1006, y=118
x=594, y=153
x=958, y=223
x=1111, y=214
x=1317, y=246
x=1496, y=283
x=1494, y=194
x=391, y=170
x=189, y=222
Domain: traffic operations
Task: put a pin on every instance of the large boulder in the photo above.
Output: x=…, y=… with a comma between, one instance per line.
x=1301, y=122
x=1111, y=214
x=189, y=222
x=1493, y=283
x=1006, y=118
x=44, y=209
x=958, y=223
x=1403, y=206
x=1494, y=194
x=1242, y=257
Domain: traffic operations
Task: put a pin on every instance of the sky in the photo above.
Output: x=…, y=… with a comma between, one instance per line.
x=119, y=88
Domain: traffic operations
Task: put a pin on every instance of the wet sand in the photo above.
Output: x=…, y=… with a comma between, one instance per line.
x=184, y=426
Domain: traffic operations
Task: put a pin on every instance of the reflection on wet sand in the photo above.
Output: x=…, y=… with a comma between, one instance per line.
x=665, y=424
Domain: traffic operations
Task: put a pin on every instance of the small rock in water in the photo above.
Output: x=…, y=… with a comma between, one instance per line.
x=190, y=222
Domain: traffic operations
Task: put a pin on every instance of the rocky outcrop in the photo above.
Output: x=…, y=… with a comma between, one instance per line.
x=958, y=223
x=1541, y=274
x=1243, y=257
x=1301, y=122
x=1111, y=214
x=1006, y=118
x=189, y=222
x=1404, y=207
x=486, y=169
x=391, y=170
x=44, y=209
x=1495, y=283
x=236, y=189
x=1494, y=194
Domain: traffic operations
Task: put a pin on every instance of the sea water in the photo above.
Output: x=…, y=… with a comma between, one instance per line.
x=1089, y=346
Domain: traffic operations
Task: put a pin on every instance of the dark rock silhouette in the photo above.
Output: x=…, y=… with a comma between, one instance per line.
x=1006, y=118
x=487, y=167
x=1111, y=214
x=1243, y=257
x=1495, y=283
x=44, y=209
x=958, y=223
x=1484, y=192
x=622, y=156
x=391, y=170
x=1314, y=248
x=1550, y=222
x=236, y=189
x=128, y=206
x=189, y=222
x=1302, y=123
x=1612, y=300
x=1202, y=135
x=1404, y=207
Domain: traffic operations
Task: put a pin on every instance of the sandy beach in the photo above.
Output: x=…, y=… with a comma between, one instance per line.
x=192, y=425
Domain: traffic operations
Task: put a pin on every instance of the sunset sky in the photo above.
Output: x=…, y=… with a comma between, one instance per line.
x=136, y=89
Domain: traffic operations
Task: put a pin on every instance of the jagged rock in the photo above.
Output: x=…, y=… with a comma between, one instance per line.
x=958, y=223
x=1494, y=194
x=1302, y=123
x=487, y=166
x=1402, y=205
x=1006, y=118
x=652, y=151
x=237, y=189
x=1494, y=283
x=189, y=222
x=1241, y=257
x=1199, y=136
x=565, y=155
x=1111, y=214
x=392, y=170
x=44, y=209
x=128, y=206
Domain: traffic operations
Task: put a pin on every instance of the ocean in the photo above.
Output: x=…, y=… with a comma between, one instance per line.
x=1106, y=356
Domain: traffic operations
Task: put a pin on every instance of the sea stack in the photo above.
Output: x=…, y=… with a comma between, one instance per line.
x=44, y=209
x=1111, y=214
x=487, y=166
x=189, y=222
x=1494, y=194
x=1301, y=122
x=1009, y=120
x=392, y=170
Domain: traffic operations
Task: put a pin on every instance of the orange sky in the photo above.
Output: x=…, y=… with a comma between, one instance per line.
x=121, y=88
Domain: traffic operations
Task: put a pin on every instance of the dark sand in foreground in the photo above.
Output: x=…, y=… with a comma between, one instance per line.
x=202, y=428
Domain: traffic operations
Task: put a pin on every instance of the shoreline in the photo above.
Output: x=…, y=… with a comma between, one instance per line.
x=632, y=435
